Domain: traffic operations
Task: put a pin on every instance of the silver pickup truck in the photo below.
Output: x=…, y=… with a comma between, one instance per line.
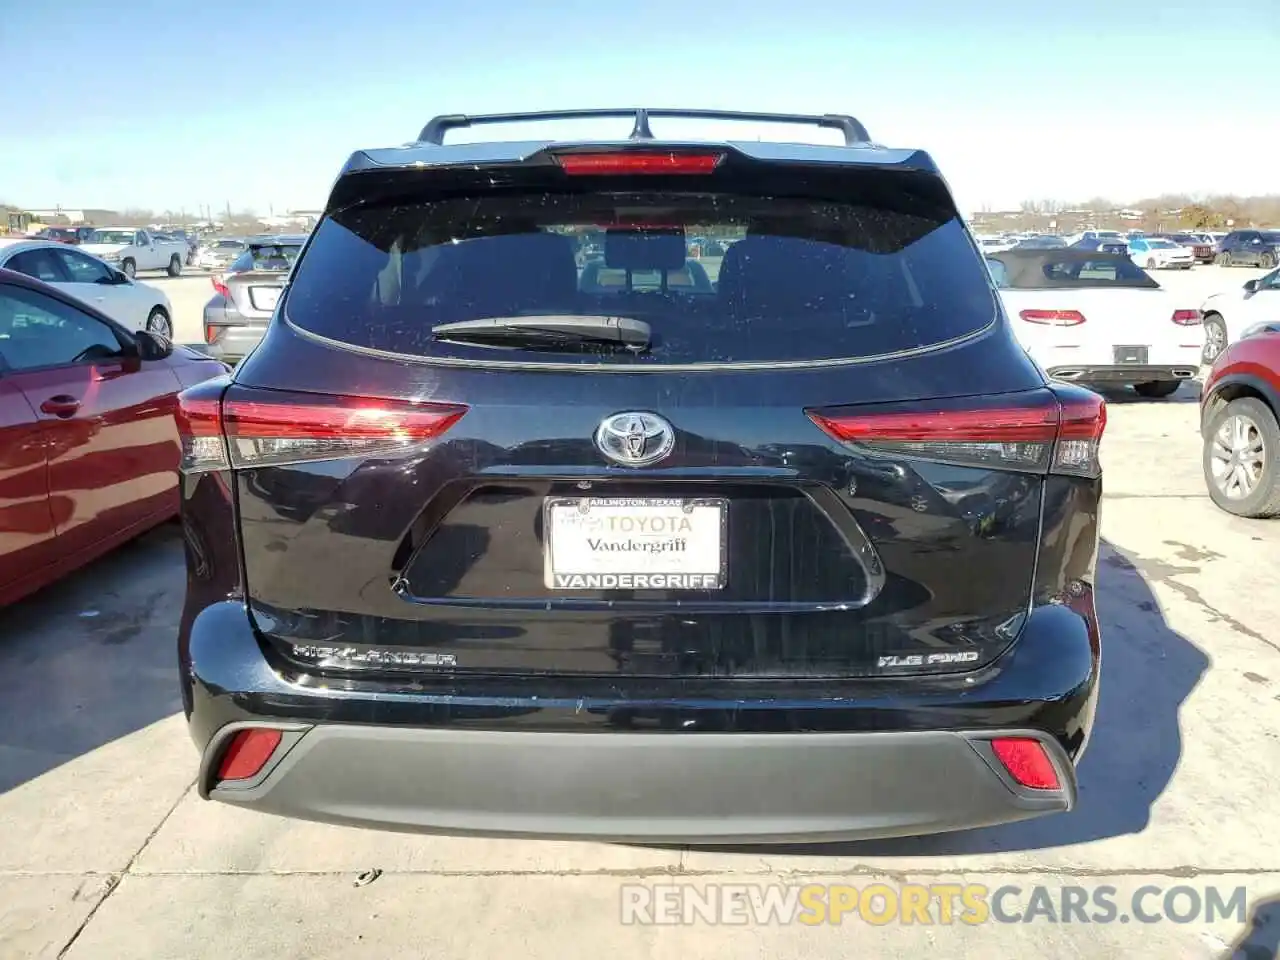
x=132, y=249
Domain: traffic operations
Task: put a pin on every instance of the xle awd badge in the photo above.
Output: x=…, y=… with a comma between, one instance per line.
x=635, y=439
x=927, y=660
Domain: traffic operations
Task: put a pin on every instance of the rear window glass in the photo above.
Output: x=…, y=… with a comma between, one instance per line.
x=1047, y=271
x=279, y=257
x=719, y=278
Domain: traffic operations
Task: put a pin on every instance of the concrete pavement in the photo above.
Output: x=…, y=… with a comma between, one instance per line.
x=105, y=852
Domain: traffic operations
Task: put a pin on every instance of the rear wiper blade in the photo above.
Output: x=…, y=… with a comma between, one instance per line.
x=569, y=328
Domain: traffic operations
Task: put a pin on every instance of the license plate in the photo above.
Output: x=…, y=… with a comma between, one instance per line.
x=641, y=544
x=264, y=298
x=1130, y=354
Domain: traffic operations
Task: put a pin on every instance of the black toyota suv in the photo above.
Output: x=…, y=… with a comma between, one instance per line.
x=492, y=535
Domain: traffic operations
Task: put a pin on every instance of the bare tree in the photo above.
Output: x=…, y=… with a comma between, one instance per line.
x=136, y=217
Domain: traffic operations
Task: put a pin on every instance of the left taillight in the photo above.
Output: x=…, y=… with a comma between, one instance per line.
x=1053, y=318
x=199, y=419
x=267, y=428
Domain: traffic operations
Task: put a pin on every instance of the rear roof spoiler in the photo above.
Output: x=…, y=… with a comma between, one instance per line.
x=854, y=132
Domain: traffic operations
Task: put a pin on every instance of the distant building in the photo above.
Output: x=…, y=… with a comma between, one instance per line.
x=58, y=215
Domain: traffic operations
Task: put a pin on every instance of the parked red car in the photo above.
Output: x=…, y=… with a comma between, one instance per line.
x=89, y=449
x=72, y=235
x=1239, y=414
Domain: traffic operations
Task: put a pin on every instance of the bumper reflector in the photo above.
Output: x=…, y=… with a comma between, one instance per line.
x=248, y=753
x=1027, y=762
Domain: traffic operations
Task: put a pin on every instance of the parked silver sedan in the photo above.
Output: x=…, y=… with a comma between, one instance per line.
x=218, y=253
x=245, y=295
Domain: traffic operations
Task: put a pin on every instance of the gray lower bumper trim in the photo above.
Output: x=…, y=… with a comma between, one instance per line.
x=677, y=788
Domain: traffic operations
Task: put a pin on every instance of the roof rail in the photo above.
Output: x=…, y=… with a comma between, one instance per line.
x=854, y=132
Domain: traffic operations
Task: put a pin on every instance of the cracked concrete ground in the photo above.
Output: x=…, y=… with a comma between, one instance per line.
x=105, y=851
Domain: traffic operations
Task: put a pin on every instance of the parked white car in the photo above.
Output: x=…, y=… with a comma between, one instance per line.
x=1230, y=315
x=1098, y=318
x=131, y=249
x=135, y=305
x=1155, y=254
x=218, y=253
x=989, y=244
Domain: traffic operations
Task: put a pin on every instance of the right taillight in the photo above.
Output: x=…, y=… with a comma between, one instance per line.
x=1053, y=318
x=1055, y=432
x=1187, y=318
x=266, y=428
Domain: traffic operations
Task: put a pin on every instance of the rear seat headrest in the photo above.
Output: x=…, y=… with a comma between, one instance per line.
x=507, y=273
x=770, y=273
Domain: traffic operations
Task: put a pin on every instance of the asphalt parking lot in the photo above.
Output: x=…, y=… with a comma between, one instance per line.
x=105, y=851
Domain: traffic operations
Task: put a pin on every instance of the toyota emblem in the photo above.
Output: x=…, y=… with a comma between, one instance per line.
x=635, y=439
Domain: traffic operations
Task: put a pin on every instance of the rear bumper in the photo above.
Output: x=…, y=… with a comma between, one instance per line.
x=648, y=787
x=1124, y=374
x=748, y=766
x=232, y=340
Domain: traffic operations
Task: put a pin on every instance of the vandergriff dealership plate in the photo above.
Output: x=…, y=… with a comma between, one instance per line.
x=639, y=544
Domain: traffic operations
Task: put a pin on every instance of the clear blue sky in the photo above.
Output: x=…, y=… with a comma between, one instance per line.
x=172, y=104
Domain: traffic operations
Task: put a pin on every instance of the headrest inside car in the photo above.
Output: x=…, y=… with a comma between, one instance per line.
x=629, y=248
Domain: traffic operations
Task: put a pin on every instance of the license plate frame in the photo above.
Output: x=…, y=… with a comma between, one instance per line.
x=709, y=573
x=1131, y=354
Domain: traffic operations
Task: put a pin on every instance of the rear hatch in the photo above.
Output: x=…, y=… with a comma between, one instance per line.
x=518, y=422
x=255, y=280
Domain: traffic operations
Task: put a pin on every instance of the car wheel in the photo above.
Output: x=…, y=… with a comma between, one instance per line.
x=1157, y=388
x=175, y=265
x=129, y=269
x=1215, y=337
x=1241, y=445
x=158, y=322
x=1151, y=263
x=1267, y=261
x=1223, y=259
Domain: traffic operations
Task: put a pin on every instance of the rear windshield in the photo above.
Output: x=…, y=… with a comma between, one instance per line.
x=273, y=256
x=112, y=236
x=719, y=278
x=1055, y=272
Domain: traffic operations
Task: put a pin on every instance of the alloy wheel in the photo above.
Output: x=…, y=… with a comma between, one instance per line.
x=1238, y=457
